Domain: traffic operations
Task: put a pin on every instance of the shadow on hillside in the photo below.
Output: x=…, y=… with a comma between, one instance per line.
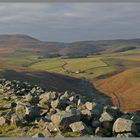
x=55, y=82
x=107, y=75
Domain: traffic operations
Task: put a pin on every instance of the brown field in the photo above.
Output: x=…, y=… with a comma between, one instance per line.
x=123, y=88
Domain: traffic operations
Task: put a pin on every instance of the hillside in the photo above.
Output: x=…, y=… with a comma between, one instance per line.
x=125, y=86
x=23, y=58
x=28, y=110
x=10, y=43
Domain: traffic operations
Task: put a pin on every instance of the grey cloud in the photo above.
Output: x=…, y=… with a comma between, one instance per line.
x=71, y=21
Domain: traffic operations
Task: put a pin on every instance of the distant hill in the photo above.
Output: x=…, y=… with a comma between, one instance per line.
x=9, y=43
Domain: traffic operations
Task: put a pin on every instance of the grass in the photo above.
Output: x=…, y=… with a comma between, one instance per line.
x=92, y=66
x=83, y=63
x=47, y=64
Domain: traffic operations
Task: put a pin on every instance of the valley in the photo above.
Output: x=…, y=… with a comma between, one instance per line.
x=114, y=74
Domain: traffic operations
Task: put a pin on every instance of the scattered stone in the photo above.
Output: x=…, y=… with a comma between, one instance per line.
x=78, y=127
x=90, y=105
x=86, y=112
x=28, y=98
x=21, y=109
x=73, y=99
x=45, y=103
x=53, y=95
x=60, y=103
x=53, y=128
x=8, y=115
x=43, y=112
x=2, y=121
x=123, y=125
x=65, y=95
x=42, y=122
x=52, y=111
x=106, y=117
x=32, y=112
x=64, y=118
x=16, y=120
x=70, y=107
x=58, y=113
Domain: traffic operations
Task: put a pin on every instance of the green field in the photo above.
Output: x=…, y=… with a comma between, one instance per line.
x=88, y=67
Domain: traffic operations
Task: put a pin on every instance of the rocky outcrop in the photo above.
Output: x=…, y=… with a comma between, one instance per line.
x=62, y=114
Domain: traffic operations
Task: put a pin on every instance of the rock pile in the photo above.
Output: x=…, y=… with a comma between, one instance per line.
x=63, y=114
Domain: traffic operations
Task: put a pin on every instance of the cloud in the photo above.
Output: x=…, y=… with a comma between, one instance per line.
x=71, y=21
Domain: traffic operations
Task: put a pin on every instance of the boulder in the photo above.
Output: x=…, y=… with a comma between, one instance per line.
x=90, y=105
x=16, y=120
x=86, y=115
x=45, y=103
x=86, y=112
x=43, y=112
x=53, y=128
x=21, y=109
x=78, y=127
x=60, y=103
x=55, y=104
x=3, y=121
x=52, y=111
x=73, y=99
x=42, y=122
x=33, y=90
x=48, y=96
x=32, y=112
x=28, y=97
x=65, y=95
x=8, y=115
x=106, y=117
x=82, y=107
x=122, y=125
x=64, y=118
x=44, y=95
x=32, y=98
x=69, y=107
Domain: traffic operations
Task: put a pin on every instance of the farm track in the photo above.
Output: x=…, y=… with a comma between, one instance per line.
x=116, y=100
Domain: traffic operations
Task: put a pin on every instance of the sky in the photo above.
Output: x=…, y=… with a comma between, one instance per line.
x=68, y=22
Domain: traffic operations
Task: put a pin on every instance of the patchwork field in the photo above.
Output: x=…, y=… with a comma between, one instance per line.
x=116, y=75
